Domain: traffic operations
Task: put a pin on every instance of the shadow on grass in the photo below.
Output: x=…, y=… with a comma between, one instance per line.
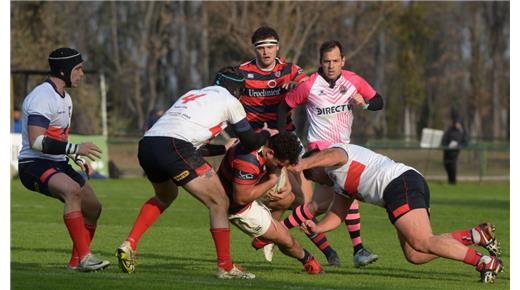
x=477, y=203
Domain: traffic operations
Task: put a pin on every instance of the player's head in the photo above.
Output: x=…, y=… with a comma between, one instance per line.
x=231, y=79
x=66, y=64
x=265, y=40
x=316, y=174
x=332, y=58
x=283, y=149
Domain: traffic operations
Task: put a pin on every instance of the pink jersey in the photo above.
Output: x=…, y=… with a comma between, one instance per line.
x=365, y=175
x=329, y=110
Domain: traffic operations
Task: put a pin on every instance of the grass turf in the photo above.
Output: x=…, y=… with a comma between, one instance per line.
x=177, y=252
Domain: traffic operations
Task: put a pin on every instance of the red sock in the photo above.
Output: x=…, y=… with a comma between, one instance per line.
x=149, y=213
x=472, y=257
x=74, y=222
x=221, y=239
x=258, y=244
x=74, y=259
x=463, y=236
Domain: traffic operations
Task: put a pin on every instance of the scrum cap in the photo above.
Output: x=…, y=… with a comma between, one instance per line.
x=230, y=78
x=62, y=61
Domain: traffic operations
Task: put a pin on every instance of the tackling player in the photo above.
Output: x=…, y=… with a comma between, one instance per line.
x=329, y=95
x=268, y=78
x=247, y=176
x=43, y=160
x=168, y=154
x=359, y=173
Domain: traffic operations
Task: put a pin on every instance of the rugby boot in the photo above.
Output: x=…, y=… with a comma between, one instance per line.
x=269, y=251
x=90, y=263
x=126, y=257
x=484, y=236
x=313, y=266
x=364, y=257
x=333, y=259
x=489, y=268
x=236, y=272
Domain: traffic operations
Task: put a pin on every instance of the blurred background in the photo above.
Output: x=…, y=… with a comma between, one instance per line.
x=431, y=61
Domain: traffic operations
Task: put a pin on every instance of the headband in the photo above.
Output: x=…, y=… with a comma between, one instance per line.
x=267, y=42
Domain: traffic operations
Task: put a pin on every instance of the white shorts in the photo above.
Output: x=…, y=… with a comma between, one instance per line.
x=254, y=221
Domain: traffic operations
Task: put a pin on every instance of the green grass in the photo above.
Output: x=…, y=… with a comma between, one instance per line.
x=178, y=252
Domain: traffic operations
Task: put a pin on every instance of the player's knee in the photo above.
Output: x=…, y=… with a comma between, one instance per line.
x=420, y=245
x=413, y=257
x=72, y=192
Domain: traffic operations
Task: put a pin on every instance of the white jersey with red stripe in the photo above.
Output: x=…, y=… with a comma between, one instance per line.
x=199, y=115
x=45, y=101
x=365, y=175
x=328, y=109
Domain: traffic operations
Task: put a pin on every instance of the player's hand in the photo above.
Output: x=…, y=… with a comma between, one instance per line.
x=84, y=165
x=309, y=227
x=271, y=131
x=89, y=150
x=289, y=85
x=358, y=100
x=230, y=143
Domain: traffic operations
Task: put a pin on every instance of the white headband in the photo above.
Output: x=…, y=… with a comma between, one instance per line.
x=267, y=42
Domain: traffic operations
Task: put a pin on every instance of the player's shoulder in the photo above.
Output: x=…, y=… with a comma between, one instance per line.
x=350, y=74
x=246, y=160
x=42, y=95
x=248, y=65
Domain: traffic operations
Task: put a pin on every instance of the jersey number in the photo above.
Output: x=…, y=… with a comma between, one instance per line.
x=190, y=98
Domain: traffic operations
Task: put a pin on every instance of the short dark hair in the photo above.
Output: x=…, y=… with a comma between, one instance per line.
x=264, y=32
x=330, y=45
x=286, y=146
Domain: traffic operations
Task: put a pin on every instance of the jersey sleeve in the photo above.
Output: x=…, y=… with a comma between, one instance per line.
x=236, y=111
x=297, y=73
x=299, y=94
x=41, y=106
x=245, y=172
x=362, y=86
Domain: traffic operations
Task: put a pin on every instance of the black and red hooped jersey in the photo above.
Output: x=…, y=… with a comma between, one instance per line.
x=240, y=166
x=264, y=93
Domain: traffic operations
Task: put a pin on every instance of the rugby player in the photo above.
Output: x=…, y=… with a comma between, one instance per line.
x=355, y=172
x=247, y=177
x=329, y=95
x=43, y=161
x=268, y=78
x=168, y=154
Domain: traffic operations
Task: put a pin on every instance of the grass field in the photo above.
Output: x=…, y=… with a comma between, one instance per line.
x=178, y=253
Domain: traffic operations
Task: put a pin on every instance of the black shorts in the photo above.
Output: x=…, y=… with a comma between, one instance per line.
x=35, y=173
x=165, y=158
x=404, y=193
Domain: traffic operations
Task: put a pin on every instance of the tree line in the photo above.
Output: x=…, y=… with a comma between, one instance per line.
x=427, y=59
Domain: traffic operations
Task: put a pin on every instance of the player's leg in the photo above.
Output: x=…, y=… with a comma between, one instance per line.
x=165, y=193
x=208, y=190
x=91, y=209
x=482, y=235
x=362, y=256
x=320, y=202
x=415, y=228
x=63, y=187
x=279, y=234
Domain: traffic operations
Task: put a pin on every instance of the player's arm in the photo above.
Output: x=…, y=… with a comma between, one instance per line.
x=334, y=217
x=214, y=149
x=283, y=110
x=39, y=140
x=246, y=193
x=326, y=158
x=248, y=137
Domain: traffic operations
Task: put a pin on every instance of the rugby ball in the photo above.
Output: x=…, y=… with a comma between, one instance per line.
x=280, y=183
